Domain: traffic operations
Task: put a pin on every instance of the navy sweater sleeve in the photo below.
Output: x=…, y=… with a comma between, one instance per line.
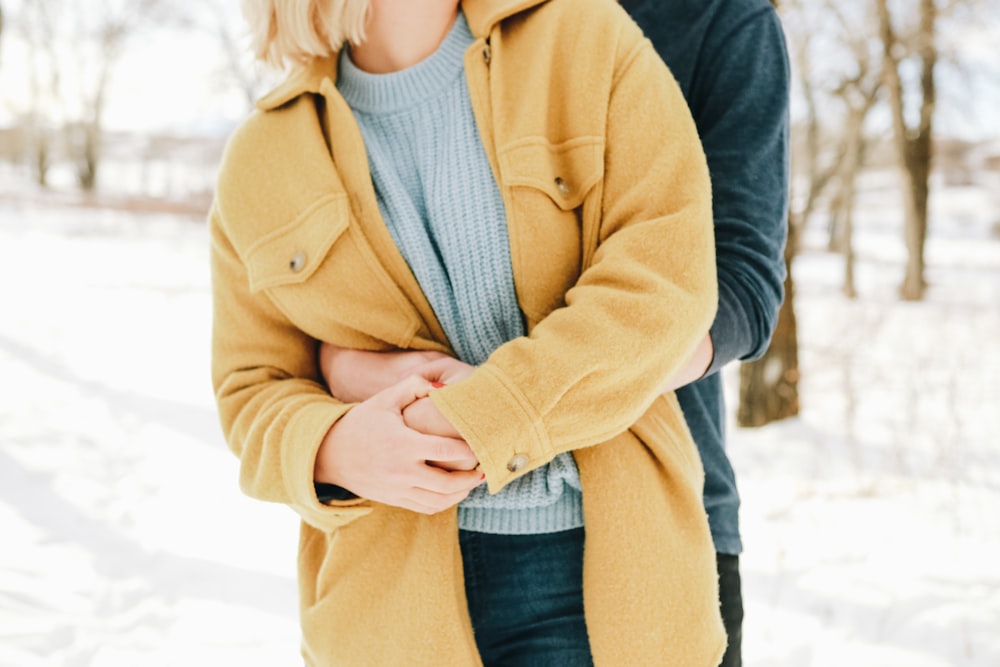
x=730, y=59
x=739, y=92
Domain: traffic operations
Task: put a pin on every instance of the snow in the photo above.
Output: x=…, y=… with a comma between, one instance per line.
x=126, y=540
x=871, y=522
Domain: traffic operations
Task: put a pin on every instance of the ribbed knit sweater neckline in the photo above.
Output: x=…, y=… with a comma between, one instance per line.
x=384, y=94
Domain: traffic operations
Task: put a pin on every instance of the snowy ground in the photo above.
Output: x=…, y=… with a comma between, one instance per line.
x=872, y=522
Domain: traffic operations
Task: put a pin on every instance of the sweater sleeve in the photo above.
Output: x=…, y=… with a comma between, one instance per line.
x=273, y=406
x=590, y=369
x=739, y=99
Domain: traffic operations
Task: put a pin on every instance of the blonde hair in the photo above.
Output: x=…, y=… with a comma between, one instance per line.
x=292, y=33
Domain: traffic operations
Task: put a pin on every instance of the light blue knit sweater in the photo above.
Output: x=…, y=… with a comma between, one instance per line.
x=439, y=199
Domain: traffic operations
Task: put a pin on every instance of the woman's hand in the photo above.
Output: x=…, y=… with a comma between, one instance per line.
x=372, y=453
x=423, y=416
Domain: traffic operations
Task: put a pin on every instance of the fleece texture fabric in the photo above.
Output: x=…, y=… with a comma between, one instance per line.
x=608, y=204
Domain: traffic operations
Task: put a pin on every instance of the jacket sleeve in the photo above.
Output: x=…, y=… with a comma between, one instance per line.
x=273, y=406
x=590, y=369
x=739, y=100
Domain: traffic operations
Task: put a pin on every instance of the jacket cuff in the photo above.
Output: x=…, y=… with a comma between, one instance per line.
x=503, y=429
x=303, y=435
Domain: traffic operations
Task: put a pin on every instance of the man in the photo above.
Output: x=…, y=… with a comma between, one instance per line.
x=730, y=59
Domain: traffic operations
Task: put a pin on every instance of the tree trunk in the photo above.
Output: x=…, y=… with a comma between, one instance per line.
x=88, y=161
x=859, y=102
x=91, y=129
x=41, y=162
x=850, y=290
x=769, y=386
x=920, y=152
x=913, y=145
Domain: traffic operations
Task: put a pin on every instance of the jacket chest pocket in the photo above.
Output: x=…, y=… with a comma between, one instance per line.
x=546, y=185
x=328, y=282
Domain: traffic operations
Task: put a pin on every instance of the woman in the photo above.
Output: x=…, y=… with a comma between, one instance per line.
x=516, y=183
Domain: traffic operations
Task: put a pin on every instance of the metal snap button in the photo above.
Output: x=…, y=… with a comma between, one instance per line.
x=297, y=262
x=487, y=53
x=517, y=463
x=561, y=186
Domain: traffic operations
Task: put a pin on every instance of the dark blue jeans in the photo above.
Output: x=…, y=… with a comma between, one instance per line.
x=525, y=597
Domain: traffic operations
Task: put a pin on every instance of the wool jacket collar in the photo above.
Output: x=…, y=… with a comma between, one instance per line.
x=482, y=16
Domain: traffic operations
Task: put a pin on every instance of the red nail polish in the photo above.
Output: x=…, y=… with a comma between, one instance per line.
x=438, y=385
x=482, y=476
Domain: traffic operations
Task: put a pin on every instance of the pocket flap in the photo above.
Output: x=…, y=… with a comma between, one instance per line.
x=290, y=254
x=565, y=171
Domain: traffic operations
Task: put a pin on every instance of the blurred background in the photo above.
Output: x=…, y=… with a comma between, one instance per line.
x=865, y=442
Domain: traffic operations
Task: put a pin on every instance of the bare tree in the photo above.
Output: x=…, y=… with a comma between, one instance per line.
x=106, y=36
x=847, y=178
x=858, y=92
x=846, y=64
x=73, y=49
x=238, y=69
x=829, y=152
x=913, y=144
x=244, y=72
x=36, y=24
x=769, y=385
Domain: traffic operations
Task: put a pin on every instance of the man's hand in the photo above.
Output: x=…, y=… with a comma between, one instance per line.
x=695, y=368
x=372, y=453
x=356, y=375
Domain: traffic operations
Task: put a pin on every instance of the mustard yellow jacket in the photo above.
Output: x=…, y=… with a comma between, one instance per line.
x=608, y=203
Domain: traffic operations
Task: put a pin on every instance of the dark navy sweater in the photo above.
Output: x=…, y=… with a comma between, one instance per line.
x=730, y=59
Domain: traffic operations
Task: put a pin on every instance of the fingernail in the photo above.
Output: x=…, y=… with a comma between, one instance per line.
x=482, y=476
x=437, y=385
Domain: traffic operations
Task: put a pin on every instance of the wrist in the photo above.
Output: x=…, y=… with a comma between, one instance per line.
x=323, y=471
x=704, y=356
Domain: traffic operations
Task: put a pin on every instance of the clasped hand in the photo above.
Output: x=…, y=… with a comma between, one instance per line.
x=395, y=447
